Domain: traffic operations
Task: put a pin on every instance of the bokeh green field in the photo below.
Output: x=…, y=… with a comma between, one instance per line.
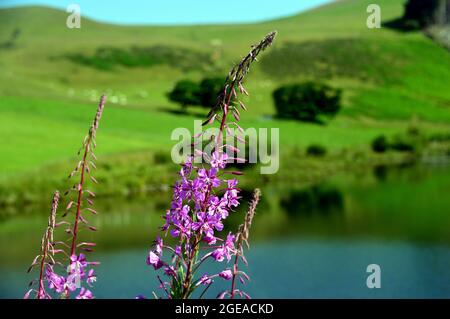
x=47, y=100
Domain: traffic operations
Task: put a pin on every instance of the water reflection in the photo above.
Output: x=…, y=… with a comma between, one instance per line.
x=410, y=171
x=380, y=172
x=316, y=200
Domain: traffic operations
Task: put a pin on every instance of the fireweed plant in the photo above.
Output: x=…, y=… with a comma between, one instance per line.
x=202, y=199
x=72, y=273
x=47, y=254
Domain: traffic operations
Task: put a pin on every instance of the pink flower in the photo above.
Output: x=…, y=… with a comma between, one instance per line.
x=210, y=238
x=154, y=260
x=85, y=294
x=219, y=254
x=204, y=280
x=218, y=160
x=170, y=271
x=226, y=274
x=159, y=245
x=91, y=277
x=55, y=282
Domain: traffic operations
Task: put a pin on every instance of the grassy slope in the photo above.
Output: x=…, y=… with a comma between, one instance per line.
x=46, y=101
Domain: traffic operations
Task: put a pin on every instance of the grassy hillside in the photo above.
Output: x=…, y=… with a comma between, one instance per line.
x=331, y=43
x=48, y=92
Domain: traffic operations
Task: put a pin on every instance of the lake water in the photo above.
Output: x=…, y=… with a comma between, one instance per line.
x=313, y=242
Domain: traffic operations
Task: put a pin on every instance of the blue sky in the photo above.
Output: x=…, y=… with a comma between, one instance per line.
x=178, y=11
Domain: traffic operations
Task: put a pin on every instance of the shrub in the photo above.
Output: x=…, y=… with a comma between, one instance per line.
x=185, y=92
x=307, y=101
x=209, y=89
x=161, y=158
x=380, y=144
x=108, y=57
x=403, y=146
x=316, y=150
x=406, y=143
x=439, y=137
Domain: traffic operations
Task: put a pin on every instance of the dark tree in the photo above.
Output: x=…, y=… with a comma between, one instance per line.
x=185, y=92
x=307, y=101
x=380, y=144
x=423, y=13
x=209, y=90
x=316, y=150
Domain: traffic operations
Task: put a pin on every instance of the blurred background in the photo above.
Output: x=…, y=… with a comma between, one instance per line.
x=363, y=113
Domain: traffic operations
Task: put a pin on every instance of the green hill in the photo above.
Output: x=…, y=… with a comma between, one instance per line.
x=52, y=76
x=331, y=43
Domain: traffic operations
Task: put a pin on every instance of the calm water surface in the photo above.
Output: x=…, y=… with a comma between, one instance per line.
x=307, y=242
